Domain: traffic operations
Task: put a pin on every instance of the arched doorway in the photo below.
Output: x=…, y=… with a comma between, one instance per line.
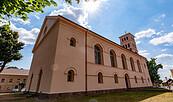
x=39, y=80
x=127, y=80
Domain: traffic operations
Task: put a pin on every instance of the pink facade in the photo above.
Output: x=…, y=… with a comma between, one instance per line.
x=65, y=60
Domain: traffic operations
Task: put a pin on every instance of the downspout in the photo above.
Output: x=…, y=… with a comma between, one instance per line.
x=86, y=88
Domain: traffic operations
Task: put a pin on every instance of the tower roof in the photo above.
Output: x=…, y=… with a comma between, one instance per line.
x=126, y=34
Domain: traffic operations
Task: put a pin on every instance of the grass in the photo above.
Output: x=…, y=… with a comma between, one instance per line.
x=127, y=96
x=156, y=89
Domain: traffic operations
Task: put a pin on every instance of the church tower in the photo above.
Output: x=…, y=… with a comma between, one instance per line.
x=128, y=42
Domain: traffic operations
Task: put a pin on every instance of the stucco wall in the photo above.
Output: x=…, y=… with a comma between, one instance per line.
x=43, y=58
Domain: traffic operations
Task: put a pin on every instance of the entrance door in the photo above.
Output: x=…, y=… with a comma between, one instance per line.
x=127, y=80
x=39, y=80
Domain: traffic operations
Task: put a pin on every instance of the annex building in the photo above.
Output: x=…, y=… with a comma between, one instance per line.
x=10, y=79
x=69, y=58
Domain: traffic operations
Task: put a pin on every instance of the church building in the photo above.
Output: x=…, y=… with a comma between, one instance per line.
x=68, y=58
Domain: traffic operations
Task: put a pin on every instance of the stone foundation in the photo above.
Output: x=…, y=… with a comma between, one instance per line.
x=83, y=93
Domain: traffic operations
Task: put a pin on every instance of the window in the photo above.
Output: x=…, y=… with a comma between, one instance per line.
x=2, y=80
x=70, y=77
x=98, y=54
x=8, y=88
x=116, y=78
x=18, y=80
x=11, y=80
x=127, y=38
x=0, y=87
x=123, y=58
x=136, y=81
x=128, y=45
x=139, y=66
x=144, y=65
x=45, y=29
x=100, y=77
x=122, y=40
x=113, y=59
x=142, y=79
x=24, y=80
x=148, y=80
x=132, y=64
x=73, y=42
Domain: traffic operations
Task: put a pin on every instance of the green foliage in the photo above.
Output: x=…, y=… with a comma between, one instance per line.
x=9, y=47
x=153, y=70
x=20, y=8
x=14, y=67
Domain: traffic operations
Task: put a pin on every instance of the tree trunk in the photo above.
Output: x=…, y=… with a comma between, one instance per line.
x=3, y=66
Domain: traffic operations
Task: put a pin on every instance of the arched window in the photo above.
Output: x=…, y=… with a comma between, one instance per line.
x=73, y=42
x=127, y=38
x=98, y=54
x=139, y=66
x=70, y=77
x=144, y=65
x=113, y=59
x=142, y=79
x=116, y=78
x=136, y=81
x=132, y=64
x=128, y=45
x=100, y=77
x=123, y=58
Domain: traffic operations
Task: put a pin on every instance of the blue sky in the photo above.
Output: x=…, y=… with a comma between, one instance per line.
x=149, y=20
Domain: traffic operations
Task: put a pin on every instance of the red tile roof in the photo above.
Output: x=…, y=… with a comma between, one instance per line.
x=11, y=71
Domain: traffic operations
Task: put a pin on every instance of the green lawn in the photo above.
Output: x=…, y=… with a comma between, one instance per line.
x=128, y=96
x=156, y=89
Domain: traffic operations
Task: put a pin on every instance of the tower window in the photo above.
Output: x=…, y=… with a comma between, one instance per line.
x=128, y=45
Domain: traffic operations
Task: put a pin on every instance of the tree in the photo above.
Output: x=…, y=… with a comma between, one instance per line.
x=153, y=70
x=13, y=67
x=9, y=47
x=20, y=8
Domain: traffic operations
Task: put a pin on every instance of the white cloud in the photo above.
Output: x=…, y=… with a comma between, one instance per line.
x=146, y=33
x=163, y=24
x=21, y=21
x=138, y=42
x=159, y=33
x=160, y=17
x=36, y=16
x=163, y=49
x=163, y=39
x=73, y=13
x=165, y=57
x=26, y=36
x=143, y=53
